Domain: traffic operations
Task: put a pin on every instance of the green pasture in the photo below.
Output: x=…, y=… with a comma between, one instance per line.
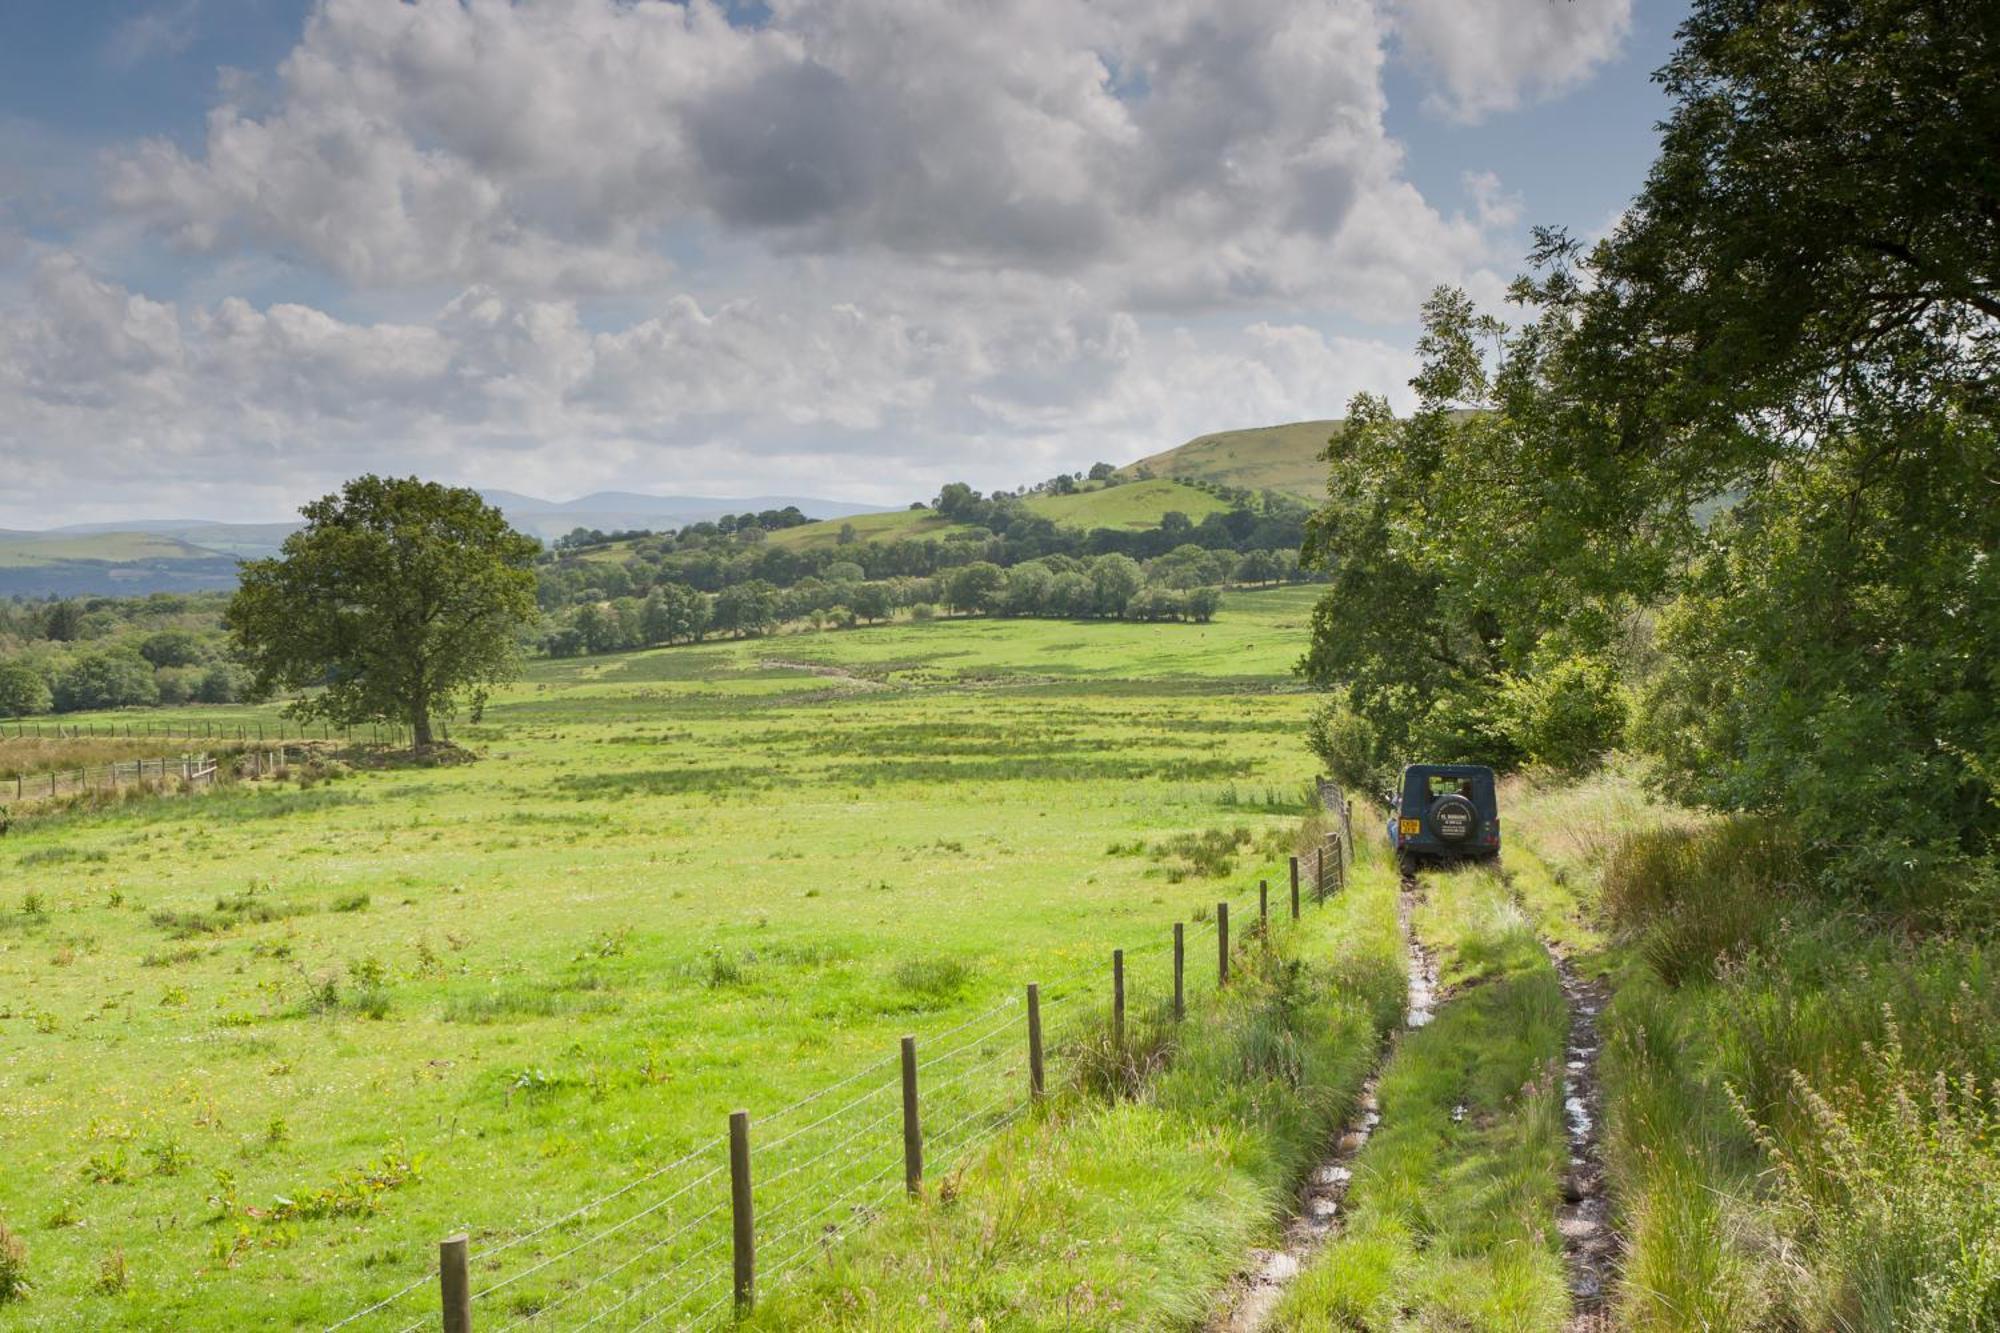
x=265, y=1047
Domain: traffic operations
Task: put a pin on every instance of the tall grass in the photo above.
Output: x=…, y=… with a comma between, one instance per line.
x=1802, y=1130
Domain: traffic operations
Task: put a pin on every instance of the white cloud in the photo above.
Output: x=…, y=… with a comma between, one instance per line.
x=1187, y=154
x=869, y=400
x=853, y=249
x=1488, y=56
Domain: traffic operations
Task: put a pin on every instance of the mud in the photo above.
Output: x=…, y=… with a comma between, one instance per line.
x=1590, y=1244
x=1254, y=1297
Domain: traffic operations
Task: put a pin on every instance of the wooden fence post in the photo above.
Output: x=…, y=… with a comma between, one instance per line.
x=1264, y=905
x=744, y=1236
x=1295, y=897
x=454, y=1285
x=1222, y=944
x=913, y=1128
x=1180, y=968
x=1118, y=996
x=1034, y=1041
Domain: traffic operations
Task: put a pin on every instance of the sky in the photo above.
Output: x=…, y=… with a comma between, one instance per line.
x=842, y=248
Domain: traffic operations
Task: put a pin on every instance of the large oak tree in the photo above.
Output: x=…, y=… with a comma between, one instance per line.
x=398, y=600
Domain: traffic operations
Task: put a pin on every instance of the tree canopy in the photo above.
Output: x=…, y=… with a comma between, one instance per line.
x=1736, y=465
x=399, y=599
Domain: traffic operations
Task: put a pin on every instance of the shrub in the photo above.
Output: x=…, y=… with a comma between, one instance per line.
x=1347, y=745
x=1566, y=715
x=13, y=1266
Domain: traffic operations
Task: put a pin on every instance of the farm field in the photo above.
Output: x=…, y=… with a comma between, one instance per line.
x=266, y=1047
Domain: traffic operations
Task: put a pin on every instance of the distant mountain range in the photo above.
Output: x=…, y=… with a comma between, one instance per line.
x=625, y=511
x=139, y=556
x=190, y=555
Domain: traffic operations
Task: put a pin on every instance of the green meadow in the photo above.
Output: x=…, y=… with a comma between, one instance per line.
x=267, y=1046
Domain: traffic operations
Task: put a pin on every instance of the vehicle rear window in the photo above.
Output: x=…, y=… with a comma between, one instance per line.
x=1438, y=785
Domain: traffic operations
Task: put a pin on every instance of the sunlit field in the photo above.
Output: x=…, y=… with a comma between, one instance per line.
x=266, y=1047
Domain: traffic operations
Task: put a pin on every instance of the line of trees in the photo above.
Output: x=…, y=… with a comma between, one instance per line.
x=1061, y=587
x=78, y=654
x=1001, y=531
x=685, y=586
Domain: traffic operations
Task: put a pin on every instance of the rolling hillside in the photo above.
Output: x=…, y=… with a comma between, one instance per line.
x=1132, y=506
x=108, y=563
x=1276, y=458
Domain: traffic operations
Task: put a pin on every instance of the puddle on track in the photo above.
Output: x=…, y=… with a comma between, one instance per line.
x=1590, y=1245
x=1254, y=1297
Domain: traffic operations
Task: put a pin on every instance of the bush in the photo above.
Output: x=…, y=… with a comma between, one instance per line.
x=23, y=691
x=1565, y=716
x=1348, y=746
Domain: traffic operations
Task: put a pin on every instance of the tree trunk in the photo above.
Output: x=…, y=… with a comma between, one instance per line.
x=420, y=730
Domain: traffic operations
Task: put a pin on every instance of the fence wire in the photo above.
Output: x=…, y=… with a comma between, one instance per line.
x=656, y=1250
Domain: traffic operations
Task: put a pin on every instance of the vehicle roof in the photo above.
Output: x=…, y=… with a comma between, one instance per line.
x=1450, y=770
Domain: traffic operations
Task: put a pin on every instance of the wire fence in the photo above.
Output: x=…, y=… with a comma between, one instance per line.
x=244, y=731
x=683, y=1244
x=184, y=772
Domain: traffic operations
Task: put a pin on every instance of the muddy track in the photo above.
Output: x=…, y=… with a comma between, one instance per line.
x=1584, y=1218
x=1253, y=1298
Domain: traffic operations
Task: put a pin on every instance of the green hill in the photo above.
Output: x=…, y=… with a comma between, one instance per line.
x=1273, y=458
x=1132, y=506
x=892, y=525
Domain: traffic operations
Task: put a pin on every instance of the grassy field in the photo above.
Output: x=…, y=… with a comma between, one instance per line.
x=266, y=1047
x=1277, y=458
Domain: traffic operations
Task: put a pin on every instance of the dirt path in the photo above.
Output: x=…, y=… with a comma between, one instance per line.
x=828, y=672
x=1253, y=1298
x=1584, y=1217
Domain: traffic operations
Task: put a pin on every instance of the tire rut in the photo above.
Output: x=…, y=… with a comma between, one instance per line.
x=1590, y=1243
x=1253, y=1298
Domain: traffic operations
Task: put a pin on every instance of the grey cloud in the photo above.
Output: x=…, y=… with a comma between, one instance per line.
x=105, y=390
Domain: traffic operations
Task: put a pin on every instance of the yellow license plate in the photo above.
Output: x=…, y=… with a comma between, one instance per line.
x=1412, y=827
